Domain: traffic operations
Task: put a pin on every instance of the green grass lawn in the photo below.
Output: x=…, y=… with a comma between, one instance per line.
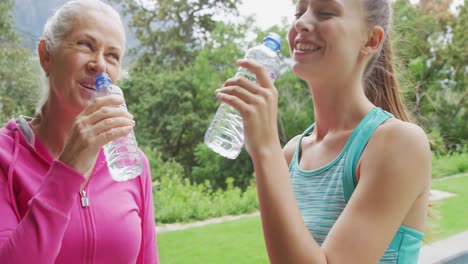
x=452, y=212
x=241, y=241
x=238, y=241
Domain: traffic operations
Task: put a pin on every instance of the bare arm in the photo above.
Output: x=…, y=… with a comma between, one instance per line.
x=390, y=182
x=395, y=171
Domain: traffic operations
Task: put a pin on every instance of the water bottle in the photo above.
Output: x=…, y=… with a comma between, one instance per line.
x=225, y=135
x=122, y=155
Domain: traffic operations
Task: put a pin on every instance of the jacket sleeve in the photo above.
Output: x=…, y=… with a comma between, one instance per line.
x=149, y=251
x=37, y=237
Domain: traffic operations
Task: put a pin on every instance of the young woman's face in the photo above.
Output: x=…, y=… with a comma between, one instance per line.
x=95, y=44
x=326, y=38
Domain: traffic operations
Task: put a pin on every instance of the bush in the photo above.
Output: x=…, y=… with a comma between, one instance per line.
x=178, y=200
x=449, y=164
x=216, y=169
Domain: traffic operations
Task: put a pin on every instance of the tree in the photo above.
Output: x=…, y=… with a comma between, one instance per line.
x=173, y=107
x=171, y=32
x=18, y=81
x=431, y=44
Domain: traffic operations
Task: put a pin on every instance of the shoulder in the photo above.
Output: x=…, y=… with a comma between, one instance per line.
x=290, y=148
x=400, y=136
x=7, y=142
x=398, y=150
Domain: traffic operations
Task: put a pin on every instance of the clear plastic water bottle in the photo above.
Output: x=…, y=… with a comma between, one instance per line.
x=225, y=135
x=122, y=155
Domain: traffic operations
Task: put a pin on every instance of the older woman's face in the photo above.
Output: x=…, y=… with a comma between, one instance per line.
x=95, y=44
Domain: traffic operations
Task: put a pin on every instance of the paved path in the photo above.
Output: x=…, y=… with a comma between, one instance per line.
x=441, y=251
x=174, y=227
x=162, y=228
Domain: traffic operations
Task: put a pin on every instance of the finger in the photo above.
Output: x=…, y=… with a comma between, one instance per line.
x=112, y=134
x=111, y=123
x=243, y=83
x=240, y=92
x=99, y=102
x=108, y=112
x=263, y=75
x=241, y=106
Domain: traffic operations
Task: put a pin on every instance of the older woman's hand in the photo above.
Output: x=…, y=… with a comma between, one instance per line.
x=100, y=123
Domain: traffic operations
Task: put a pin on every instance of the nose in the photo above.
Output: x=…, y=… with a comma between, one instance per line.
x=305, y=23
x=97, y=64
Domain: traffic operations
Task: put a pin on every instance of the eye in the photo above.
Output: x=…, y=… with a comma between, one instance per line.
x=298, y=14
x=86, y=44
x=326, y=14
x=114, y=56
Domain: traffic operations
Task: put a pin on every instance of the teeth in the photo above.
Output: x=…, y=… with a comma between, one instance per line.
x=88, y=85
x=306, y=47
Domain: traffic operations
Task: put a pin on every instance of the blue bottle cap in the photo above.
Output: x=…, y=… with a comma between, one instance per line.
x=273, y=41
x=102, y=80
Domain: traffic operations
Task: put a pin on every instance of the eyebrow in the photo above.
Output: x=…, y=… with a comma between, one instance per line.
x=340, y=2
x=94, y=40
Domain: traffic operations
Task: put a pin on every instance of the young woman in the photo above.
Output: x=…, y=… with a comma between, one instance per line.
x=357, y=186
x=58, y=202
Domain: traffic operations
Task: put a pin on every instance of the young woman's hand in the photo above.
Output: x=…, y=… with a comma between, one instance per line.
x=100, y=123
x=257, y=103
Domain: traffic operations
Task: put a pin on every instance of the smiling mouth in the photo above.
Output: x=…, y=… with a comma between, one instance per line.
x=89, y=86
x=306, y=47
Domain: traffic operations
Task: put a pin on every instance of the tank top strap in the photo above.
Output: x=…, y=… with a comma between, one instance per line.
x=360, y=137
x=295, y=159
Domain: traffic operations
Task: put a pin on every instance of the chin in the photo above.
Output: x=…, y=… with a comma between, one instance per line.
x=304, y=71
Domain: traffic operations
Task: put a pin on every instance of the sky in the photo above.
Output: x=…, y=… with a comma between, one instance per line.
x=270, y=12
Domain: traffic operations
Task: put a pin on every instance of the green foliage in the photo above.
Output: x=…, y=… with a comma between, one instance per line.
x=173, y=108
x=431, y=44
x=7, y=34
x=447, y=165
x=18, y=79
x=167, y=113
x=177, y=200
x=216, y=169
x=171, y=32
x=160, y=168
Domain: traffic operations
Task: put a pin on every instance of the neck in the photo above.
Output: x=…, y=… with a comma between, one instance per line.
x=338, y=106
x=52, y=126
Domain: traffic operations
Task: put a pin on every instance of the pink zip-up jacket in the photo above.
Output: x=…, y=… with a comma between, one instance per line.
x=44, y=218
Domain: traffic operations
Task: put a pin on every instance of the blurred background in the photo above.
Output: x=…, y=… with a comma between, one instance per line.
x=180, y=52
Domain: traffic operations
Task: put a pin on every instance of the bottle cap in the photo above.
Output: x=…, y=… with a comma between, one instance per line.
x=273, y=41
x=102, y=80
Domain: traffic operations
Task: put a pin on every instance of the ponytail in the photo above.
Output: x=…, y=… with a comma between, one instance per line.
x=381, y=85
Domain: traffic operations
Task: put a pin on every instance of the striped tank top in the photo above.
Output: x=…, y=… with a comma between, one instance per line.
x=323, y=193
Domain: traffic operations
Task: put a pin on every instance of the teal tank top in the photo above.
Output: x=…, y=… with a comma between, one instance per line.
x=323, y=193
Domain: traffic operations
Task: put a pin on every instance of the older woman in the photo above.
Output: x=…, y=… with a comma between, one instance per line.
x=58, y=202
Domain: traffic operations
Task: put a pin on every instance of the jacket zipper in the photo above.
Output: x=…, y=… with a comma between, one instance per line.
x=84, y=199
x=89, y=240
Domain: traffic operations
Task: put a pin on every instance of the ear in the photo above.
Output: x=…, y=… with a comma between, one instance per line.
x=375, y=37
x=44, y=56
